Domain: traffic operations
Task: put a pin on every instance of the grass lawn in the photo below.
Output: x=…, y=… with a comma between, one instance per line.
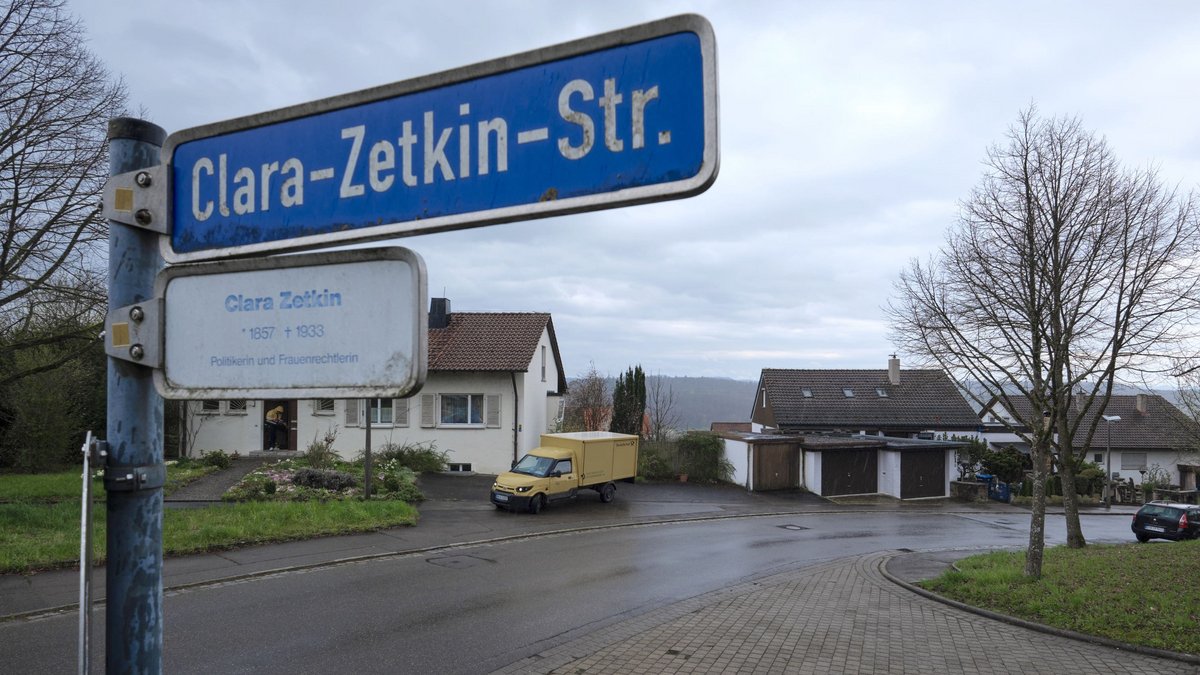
x=64, y=486
x=42, y=536
x=1143, y=594
x=40, y=514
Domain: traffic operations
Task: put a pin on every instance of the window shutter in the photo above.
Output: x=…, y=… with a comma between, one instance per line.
x=427, y=412
x=493, y=410
x=399, y=412
x=351, y=412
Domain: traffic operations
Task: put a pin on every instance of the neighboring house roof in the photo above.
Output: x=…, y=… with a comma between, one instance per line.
x=1155, y=423
x=816, y=399
x=726, y=427
x=492, y=341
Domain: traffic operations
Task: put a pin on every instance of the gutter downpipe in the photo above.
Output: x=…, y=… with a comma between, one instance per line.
x=516, y=414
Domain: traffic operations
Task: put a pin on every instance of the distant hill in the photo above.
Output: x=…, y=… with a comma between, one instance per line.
x=700, y=401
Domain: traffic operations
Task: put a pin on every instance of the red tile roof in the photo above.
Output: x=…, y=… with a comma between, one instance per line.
x=491, y=341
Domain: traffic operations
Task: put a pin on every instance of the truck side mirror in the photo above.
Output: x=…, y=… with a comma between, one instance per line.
x=513, y=465
x=556, y=474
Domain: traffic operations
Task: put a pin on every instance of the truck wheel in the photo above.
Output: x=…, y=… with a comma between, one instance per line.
x=536, y=504
x=607, y=492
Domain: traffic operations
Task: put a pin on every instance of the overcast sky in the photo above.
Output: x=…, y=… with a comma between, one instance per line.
x=849, y=131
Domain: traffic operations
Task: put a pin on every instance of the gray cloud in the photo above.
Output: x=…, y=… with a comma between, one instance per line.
x=849, y=133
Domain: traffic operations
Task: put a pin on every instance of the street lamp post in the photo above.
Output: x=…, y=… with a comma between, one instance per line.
x=1110, y=420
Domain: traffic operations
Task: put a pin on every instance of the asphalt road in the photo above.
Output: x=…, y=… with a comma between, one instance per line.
x=478, y=608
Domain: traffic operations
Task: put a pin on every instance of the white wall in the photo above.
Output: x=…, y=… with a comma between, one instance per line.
x=226, y=430
x=738, y=454
x=889, y=473
x=812, y=471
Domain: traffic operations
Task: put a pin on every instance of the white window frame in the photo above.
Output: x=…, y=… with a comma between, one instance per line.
x=209, y=411
x=324, y=407
x=377, y=408
x=482, y=413
x=231, y=407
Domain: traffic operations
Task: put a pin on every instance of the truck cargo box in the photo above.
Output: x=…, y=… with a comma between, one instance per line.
x=603, y=455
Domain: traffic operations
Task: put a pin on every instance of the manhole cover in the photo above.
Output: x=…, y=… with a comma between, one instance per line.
x=455, y=562
x=792, y=527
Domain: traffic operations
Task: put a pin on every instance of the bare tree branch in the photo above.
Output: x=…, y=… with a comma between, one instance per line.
x=55, y=103
x=1065, y=273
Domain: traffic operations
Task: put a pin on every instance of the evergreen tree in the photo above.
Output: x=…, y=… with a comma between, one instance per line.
x=629, y=402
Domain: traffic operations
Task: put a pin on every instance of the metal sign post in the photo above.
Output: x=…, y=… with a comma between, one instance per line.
x=135, y=470
x=91, y=450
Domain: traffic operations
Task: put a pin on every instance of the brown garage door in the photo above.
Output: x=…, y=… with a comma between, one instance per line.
x=776, y=467
x=849, y=472
x=923, y=474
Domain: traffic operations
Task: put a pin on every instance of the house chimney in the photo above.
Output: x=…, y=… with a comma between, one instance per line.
x=439, y=312
x=894, y=370
x=1143, y=405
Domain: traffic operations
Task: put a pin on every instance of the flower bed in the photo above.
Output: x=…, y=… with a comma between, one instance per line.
x=295, y=480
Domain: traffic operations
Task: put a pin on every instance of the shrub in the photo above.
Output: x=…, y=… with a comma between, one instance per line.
x=653, y=463
x=324, y=479
x=320, y=453
x=1006, y=464
x=397, y=481
x=703, y=457
x=217, y=458
x=420, y=457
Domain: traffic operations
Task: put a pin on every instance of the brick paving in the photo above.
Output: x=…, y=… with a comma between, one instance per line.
x=839, y=617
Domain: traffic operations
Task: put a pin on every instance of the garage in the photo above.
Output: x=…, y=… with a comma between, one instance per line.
x=776, y=467
x=922, y=474
x=849, y=472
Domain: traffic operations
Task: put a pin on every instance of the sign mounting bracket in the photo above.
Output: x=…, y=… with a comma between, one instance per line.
x=139, y=199
x=134, y=333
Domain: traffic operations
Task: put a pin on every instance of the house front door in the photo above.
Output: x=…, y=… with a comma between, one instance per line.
x=279, y=433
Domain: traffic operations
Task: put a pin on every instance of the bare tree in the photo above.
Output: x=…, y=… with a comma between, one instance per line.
x=55, y=103
x=588, y=403
x=1064, y=273
x=661, y=407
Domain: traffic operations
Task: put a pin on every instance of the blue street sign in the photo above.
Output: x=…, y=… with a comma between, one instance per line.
x=617, y=119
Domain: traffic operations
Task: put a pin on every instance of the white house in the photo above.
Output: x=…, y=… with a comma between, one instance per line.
x=495, y=383
x=1151, y=436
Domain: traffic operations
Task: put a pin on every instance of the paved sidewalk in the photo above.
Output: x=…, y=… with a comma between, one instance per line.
x=211, y=487
x=839, y=617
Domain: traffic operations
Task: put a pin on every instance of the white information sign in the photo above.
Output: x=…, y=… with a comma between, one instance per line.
x=341, y=324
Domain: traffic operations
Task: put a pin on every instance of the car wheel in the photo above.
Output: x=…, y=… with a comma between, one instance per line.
x=1143, y=538
x=537, y=504
x=607, y=492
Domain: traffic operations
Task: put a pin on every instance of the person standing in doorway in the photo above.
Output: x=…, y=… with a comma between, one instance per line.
x=275, y=424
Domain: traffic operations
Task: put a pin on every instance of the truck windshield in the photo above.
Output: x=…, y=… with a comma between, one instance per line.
x=534, y=466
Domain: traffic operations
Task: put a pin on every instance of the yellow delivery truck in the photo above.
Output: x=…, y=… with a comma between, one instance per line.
x=563, y=465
